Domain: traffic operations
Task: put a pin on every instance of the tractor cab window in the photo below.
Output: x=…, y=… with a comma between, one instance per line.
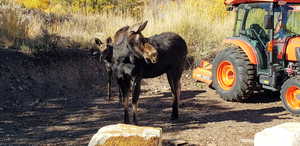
x=250, y=22
x=239, y=21
x=254, y=28
x=256, y=17
x=287, y=21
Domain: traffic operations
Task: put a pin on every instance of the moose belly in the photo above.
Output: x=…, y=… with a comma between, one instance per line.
x=151, y=71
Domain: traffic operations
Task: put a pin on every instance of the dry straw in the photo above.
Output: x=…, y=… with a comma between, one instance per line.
x=203, y=24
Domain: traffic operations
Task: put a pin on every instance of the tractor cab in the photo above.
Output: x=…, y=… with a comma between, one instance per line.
x=268, y=27
x=263, y=53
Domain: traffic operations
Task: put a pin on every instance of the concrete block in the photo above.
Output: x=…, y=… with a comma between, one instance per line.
x=287, y=134
x=127, y=135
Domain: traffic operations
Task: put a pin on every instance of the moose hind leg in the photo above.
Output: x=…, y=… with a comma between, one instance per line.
x=135, y=97
x=109, y=85
x=174, y=81
x=121, y=98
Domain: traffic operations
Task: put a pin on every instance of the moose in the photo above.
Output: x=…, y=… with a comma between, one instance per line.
x=135, y=57
x=106, y=57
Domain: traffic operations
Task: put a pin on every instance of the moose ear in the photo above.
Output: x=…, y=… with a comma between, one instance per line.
x=98, y=42
x=109, y=40
x=121, y=34
x=142, y=27
x=123, y=29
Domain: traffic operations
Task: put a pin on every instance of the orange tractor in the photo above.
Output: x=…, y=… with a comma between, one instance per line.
x=262, y=55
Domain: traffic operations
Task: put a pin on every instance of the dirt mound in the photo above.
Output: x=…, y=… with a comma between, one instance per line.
x=27, y=80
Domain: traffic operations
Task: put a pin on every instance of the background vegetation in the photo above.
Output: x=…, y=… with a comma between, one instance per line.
x=42, y=25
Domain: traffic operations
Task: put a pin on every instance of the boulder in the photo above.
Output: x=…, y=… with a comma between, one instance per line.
x=287, y=134
x=127, y=135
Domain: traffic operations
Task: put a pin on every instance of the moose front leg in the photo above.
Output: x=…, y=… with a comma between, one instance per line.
x=126, y=112
x=135, y=97
x=174, y=81
x=121, y=99
x=109, y=72
x=124, y=86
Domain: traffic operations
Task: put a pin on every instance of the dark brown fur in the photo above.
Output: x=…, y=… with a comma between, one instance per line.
x=131, y=66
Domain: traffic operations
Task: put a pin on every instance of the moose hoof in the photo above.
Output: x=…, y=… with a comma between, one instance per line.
x=120, y=102
x=174, y=117
x=135, y=123
x=126, y=121
x=108, y=101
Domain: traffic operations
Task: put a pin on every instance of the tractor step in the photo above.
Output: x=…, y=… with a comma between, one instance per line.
x=269, y=88
x=203, y=72
x=265, y=80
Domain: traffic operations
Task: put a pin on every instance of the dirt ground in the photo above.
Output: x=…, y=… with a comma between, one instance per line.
x=205, y=119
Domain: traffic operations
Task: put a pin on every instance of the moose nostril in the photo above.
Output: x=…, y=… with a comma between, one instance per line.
x=153, y=60
x=154, y=56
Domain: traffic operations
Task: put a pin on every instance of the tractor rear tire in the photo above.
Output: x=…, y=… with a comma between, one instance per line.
x=298, y=68
x=290, y=95
x=234, y=77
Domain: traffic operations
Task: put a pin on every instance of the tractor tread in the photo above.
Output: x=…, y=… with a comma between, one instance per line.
x=247, y=82
x=290, y=82
x=298, y=68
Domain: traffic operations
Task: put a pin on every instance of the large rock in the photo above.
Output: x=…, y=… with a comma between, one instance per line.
x=127, y=135
x=287, y=134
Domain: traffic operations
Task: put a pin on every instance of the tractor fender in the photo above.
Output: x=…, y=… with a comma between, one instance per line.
x=246, y=47
x=292, y=50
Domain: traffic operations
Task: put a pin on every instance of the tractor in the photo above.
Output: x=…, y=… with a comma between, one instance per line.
x=262, y=56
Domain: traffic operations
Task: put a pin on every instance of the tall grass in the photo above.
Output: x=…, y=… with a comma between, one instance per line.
x=203, y=24
x=15, y=28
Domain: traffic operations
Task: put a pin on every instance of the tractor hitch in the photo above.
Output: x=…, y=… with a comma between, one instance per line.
x=203, y=72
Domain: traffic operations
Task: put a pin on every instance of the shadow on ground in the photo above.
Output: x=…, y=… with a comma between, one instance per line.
x=267, y=97
x=74, y=120
x=61, y=100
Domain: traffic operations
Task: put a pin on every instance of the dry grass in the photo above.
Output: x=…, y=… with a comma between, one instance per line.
x=203, y=24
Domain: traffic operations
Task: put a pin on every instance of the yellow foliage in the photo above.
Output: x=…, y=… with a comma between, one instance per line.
x=57, y=8
x=202, y=23
x=38, y=4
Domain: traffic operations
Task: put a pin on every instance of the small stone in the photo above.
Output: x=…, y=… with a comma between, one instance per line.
x=174, y=142
x=127, y=135
x=212, y=144
x=166, y=88
x=156, y=91
x=21, y=88
x=247, y=141
x=179, y=142
x=287, y=134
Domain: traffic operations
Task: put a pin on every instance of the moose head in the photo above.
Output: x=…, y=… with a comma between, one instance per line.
x=106, y=50
x=141, y=45
x=129, y=39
